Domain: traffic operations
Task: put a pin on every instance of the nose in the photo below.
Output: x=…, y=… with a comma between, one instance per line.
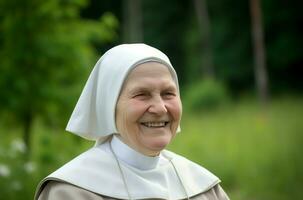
x=157, y=106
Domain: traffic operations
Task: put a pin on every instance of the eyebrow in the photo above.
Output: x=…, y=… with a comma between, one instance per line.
x=137, y=89
x=142, y=88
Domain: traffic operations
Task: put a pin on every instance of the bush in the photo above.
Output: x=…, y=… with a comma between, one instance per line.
x=207, y=94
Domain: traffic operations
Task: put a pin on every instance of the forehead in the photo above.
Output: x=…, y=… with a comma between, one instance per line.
x=149, y=71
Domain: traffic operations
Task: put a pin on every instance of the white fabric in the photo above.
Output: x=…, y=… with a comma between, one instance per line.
x=94, y=115
x=134, y=158
x=96, y=170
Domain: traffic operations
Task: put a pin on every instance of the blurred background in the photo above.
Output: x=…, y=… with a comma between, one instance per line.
x=239, y=65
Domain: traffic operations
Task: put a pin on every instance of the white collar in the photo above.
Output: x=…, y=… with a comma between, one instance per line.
x=132, y=157
x=96, y=170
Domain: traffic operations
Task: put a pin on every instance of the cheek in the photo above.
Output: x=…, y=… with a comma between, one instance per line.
x=126, y=122
x=135, y=109
x=175, y=109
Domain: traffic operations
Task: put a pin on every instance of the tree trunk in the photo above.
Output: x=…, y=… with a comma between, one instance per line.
x=27, y=125
x=205, y=45
x=259, y=52
x=132, y=21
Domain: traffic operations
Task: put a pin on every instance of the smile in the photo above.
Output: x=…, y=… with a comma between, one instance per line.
x=154, y=124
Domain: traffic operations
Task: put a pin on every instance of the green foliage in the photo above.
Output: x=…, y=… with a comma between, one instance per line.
x=20, y=175
x=16, y=173
x=47, y=51
x=207, y=94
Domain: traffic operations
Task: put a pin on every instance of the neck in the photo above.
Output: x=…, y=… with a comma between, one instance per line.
x=146, y=153
x=132, y=157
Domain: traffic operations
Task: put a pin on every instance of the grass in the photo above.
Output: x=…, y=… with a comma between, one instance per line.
x=256, y=153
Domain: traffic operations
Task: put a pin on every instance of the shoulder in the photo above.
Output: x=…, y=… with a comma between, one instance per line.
x=197, y=178
x=215, y=193
x=200, y=175
x=87, y=162
x=78, y=172
x=55, y=190
x=184, y=163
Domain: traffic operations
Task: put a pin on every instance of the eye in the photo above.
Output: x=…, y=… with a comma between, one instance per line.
x=169, y=94
x=141, y=95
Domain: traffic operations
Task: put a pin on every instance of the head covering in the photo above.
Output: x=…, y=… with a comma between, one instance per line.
x=93, y=117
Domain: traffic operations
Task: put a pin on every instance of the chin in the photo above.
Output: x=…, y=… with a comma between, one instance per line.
x=158, y=144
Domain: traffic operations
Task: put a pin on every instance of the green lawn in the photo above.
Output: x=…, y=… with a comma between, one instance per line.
x=255, y=152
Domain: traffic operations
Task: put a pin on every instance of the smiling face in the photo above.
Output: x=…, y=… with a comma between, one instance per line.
x=149, y=109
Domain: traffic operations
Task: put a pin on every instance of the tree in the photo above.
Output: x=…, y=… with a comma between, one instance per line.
x=205, y=39
x=46, y=49
x=132, y=21
x=259, y=52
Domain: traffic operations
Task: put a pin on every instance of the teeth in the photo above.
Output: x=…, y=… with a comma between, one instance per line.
x=154, y=124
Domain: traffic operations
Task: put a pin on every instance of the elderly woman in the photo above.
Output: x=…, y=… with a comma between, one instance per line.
x=131, y=107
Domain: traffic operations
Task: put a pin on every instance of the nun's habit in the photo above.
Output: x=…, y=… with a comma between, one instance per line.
x=112, y=169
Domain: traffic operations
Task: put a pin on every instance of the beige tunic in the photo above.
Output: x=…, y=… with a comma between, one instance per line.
x=63, y=191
